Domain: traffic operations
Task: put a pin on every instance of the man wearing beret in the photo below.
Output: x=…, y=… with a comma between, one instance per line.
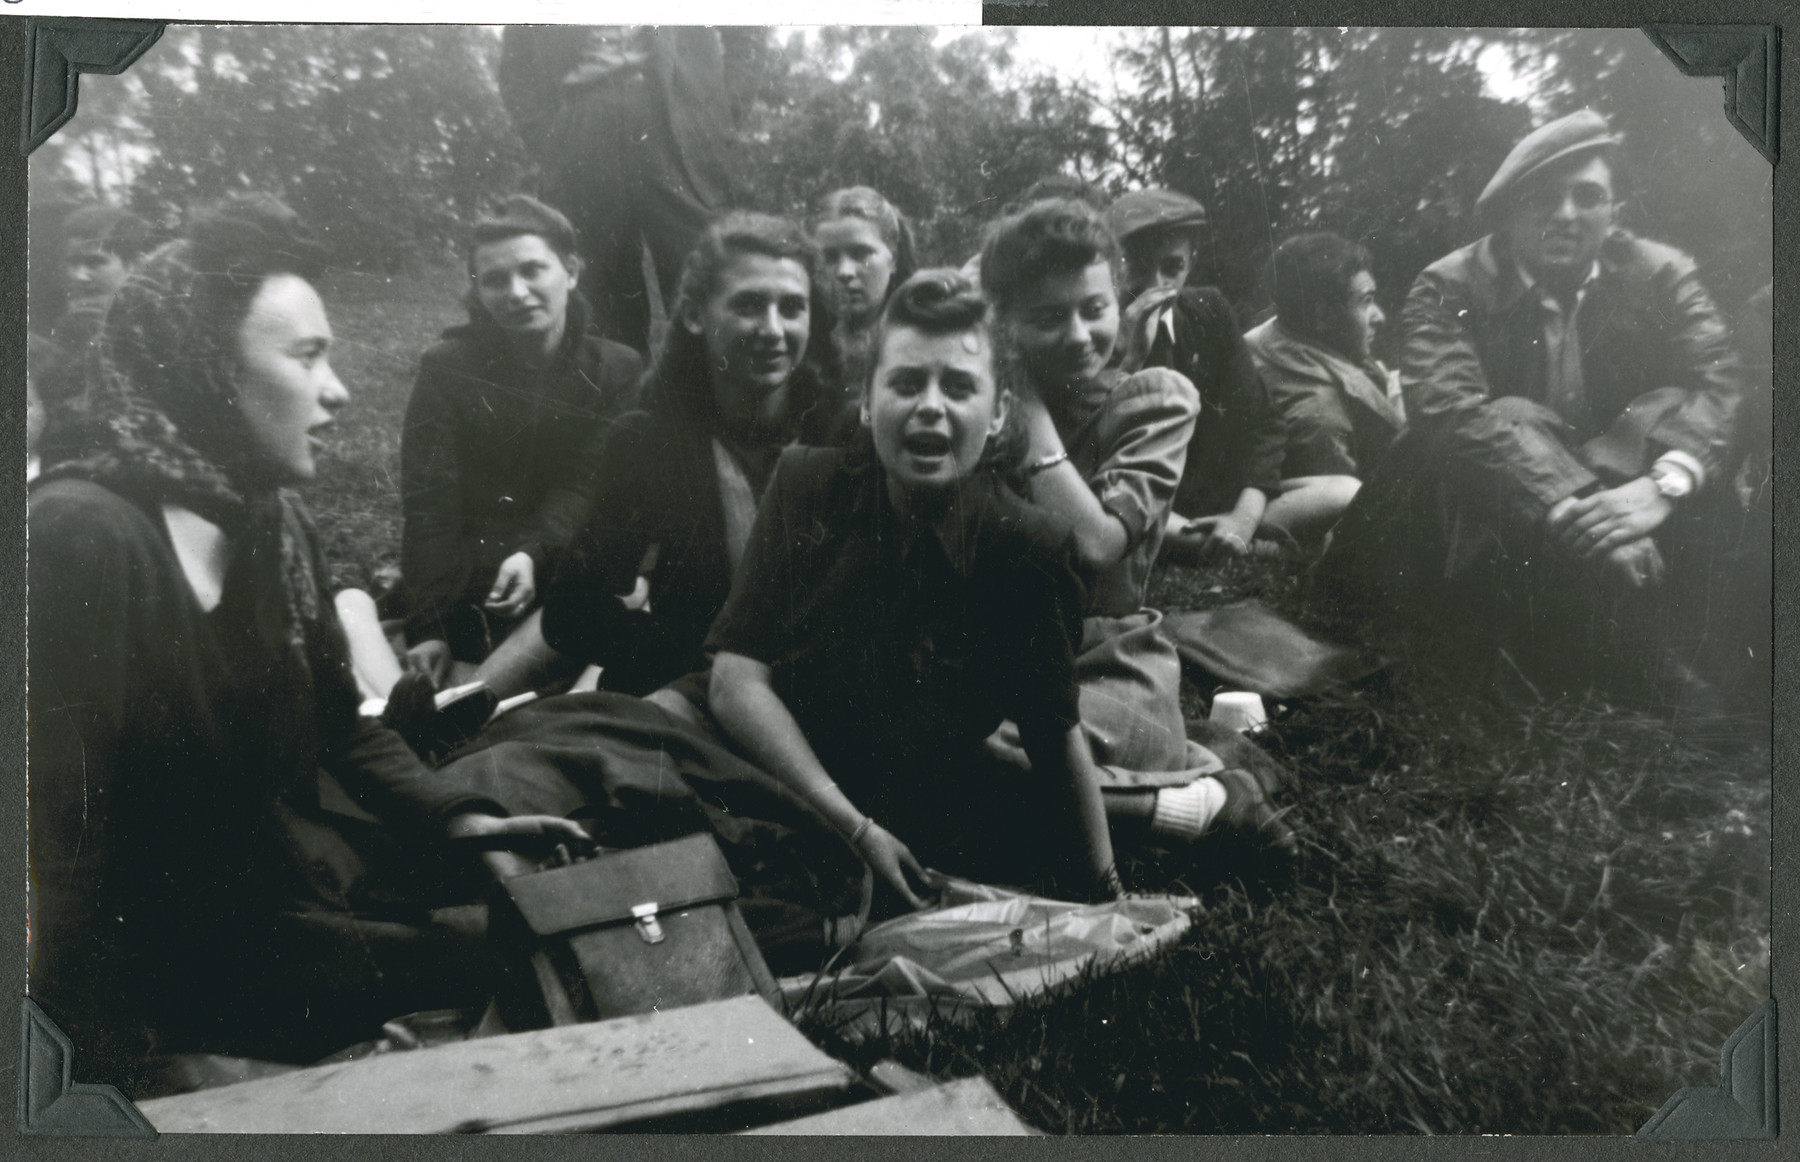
x=1234, y=457
x=1573, y=394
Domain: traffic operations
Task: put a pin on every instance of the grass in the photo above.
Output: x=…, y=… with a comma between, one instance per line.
x=381, y=326
x=1504, y=919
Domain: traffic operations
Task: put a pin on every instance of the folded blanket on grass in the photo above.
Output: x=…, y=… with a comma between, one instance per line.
x=982, y=948
x=1248, y=646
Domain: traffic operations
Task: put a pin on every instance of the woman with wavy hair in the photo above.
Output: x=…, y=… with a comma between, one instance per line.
x=199, y=880
x=737, y=379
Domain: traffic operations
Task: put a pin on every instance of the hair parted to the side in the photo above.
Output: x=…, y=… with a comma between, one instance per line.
x=1309, y=281
x=521, y=214
x=1056, y=236
x=679, y=378
x=868, y=204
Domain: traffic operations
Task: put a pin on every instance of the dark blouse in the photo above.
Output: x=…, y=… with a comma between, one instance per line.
x=1239, y=439
x=658, y=486
x=497, y=459
x=176, y=803
x=895, y=656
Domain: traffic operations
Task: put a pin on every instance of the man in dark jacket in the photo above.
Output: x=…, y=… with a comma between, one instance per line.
x=631, y=125
x=1234, y=459
x=1342, y=407
x=1573, y=393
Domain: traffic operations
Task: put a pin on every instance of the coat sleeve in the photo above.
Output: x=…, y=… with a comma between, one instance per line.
x=1257, y=423
x=569, y=502
x=1319, y=431
x=433, y=559
x=584, y=616
x=86, y=585
x=533, y=61
x=1144, y=442
x=1706, y=365
x=1448, y=397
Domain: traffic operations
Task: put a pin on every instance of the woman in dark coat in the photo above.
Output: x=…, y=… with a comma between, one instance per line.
x=735, y=381
x=200, y=882
x=502, y=440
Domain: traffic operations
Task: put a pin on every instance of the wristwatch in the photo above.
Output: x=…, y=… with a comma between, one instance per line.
x=1672, y=480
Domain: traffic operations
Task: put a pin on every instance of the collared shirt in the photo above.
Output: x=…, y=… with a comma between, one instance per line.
x=897, y=654
x=1565, y=390
x=1563, y=385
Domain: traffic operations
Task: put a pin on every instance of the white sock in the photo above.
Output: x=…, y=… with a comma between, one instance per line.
x=1185, y=812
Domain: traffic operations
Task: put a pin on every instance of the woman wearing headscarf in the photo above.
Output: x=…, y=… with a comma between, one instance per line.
x=199, y=880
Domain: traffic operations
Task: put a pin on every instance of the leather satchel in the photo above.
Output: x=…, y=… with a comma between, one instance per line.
x=626, y=932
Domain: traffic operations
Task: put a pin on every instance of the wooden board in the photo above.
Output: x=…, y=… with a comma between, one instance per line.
x=576, y=1077
x=966, y=1107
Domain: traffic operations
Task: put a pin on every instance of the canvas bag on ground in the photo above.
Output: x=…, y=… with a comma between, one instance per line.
x=626, y=932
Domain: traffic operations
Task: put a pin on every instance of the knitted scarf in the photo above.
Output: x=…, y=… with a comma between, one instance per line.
x=158, y=423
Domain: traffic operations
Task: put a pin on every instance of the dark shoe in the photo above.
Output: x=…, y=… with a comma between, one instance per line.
x=410, y=709
x=434, y=731
x=1249, y=816
x=1234, y=750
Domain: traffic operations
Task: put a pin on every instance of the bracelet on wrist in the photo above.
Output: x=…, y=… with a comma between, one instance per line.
x=862, y=829
x=1045, y=463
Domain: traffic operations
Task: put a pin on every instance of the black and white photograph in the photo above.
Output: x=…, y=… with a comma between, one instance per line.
x=513, y=513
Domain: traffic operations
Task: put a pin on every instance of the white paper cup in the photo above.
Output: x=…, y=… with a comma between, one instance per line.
x=1240, y=711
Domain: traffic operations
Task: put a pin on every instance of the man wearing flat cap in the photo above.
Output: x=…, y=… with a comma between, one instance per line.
x=1573, y=394
x=1234, y=457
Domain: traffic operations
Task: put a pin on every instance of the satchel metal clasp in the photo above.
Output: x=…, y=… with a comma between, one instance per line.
x=647, y=926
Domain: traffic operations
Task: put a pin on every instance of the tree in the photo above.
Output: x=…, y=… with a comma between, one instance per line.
x=1382, y=135
x=387, y=139
x=947, y=132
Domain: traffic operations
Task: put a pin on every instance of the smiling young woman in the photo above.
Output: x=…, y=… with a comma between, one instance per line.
x=1106, y=452
x=737, y=378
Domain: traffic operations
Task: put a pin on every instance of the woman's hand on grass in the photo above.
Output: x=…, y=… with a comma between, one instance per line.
x=893, y=861
x=515, y=586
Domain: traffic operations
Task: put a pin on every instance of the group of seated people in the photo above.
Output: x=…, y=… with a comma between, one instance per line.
x=881, y=534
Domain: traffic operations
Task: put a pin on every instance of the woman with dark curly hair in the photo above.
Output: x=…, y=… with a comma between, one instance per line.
x=193, y=715
x=1105, y=454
